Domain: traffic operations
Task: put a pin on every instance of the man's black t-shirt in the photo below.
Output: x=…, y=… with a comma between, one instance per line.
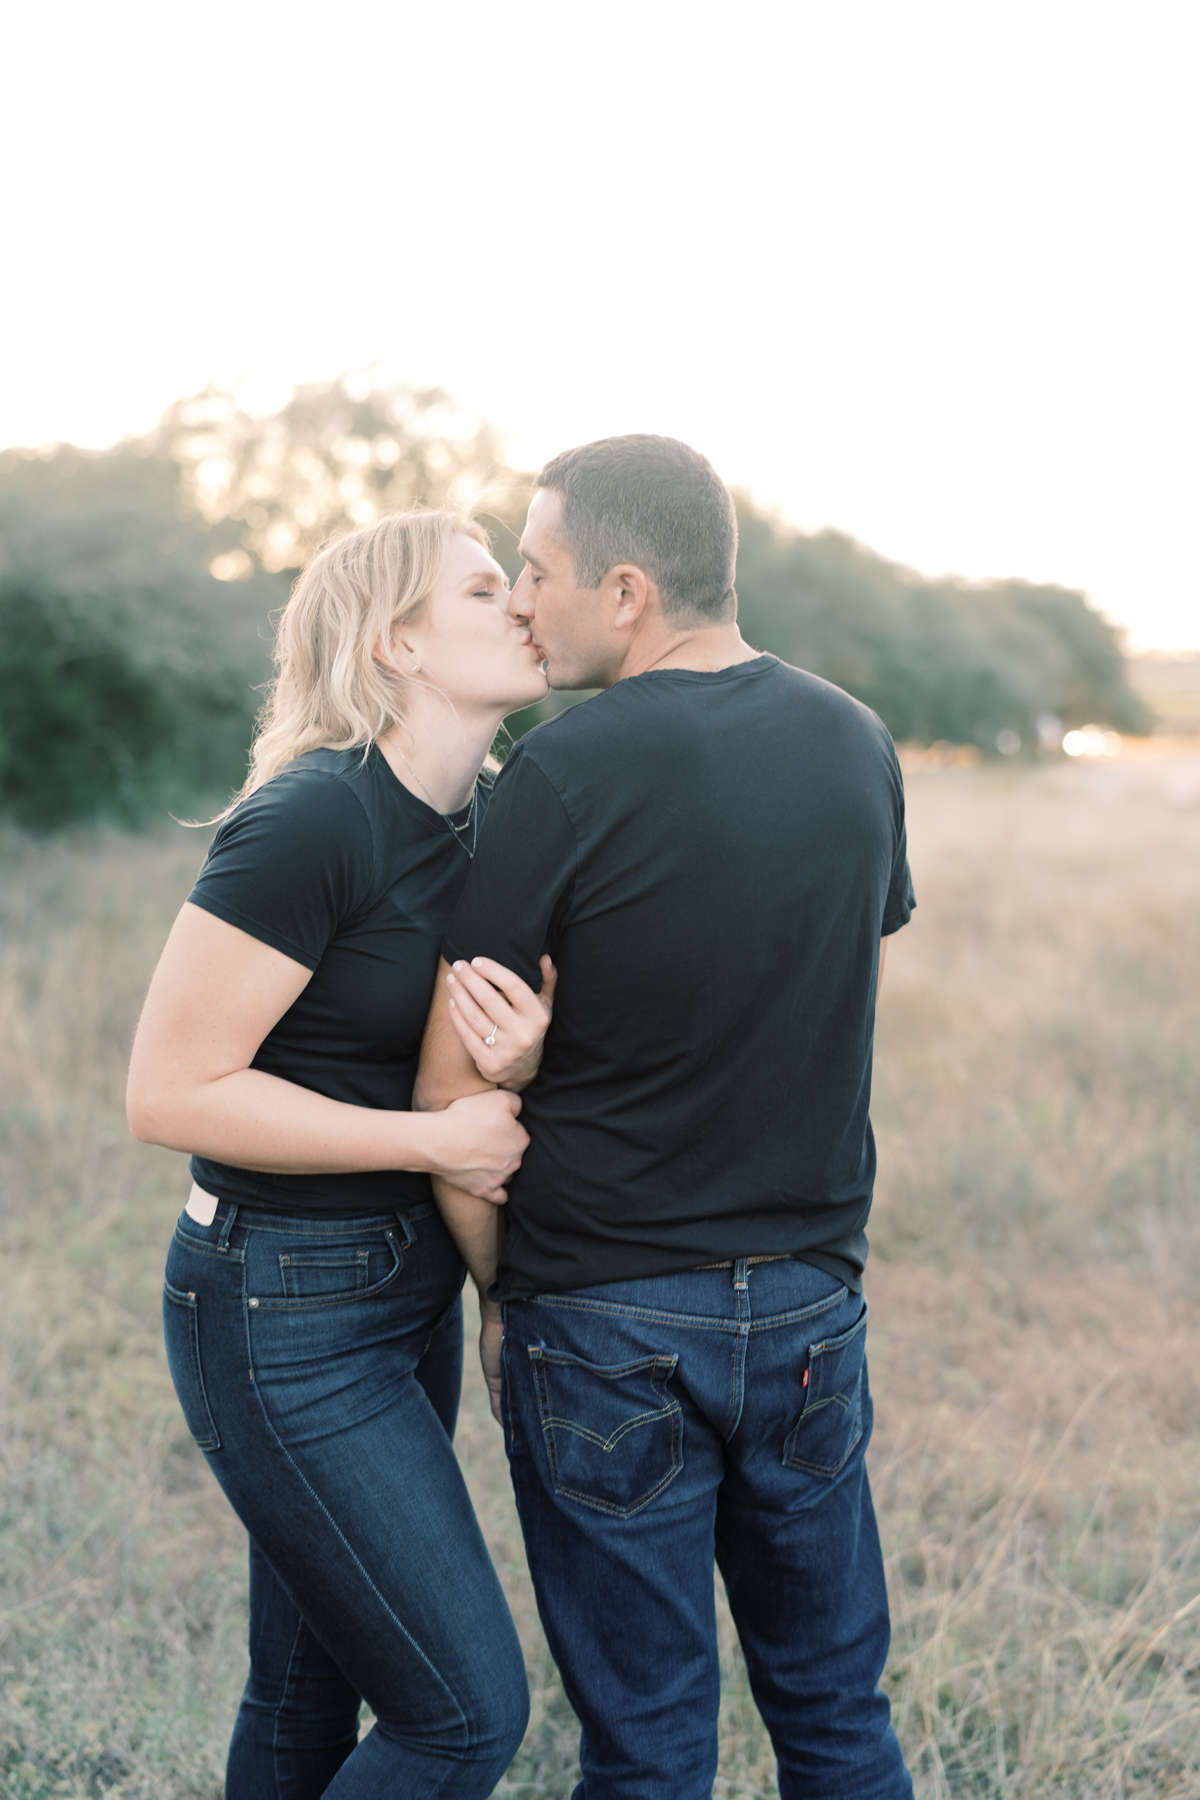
x=337, y=865
x=711, y=859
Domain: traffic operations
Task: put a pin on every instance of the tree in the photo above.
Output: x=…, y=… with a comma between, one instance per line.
x=137, y=587
x=936, y=659
x=128, y=675
x=334, y=457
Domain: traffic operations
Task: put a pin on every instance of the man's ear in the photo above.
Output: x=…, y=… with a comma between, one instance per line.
x=628, y=590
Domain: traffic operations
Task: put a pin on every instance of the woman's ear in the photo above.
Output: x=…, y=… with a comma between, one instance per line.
x=398, y=655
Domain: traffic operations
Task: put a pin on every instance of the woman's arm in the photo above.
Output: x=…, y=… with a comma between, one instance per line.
x=215, y=995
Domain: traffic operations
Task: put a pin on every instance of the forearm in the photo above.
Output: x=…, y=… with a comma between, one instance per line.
x=477, y=1228
x=257, y=1121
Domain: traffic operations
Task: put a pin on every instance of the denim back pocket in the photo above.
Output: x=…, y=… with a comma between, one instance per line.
x=181, y=1328
x=614, y=1435
x=831, y=1424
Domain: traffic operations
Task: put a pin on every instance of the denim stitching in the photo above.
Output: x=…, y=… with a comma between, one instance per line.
x=318, y=1301
x=287, y=1682
x=737, y=1394
x=539, y=1358
x=792, y=1461
x=349, y=1548
x=178, y=1298
x=689, y=1321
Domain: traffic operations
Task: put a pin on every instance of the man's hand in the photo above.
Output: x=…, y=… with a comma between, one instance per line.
x=491, y=1340
x=500, y=1020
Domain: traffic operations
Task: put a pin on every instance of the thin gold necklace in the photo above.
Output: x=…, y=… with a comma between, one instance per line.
x=472, y=817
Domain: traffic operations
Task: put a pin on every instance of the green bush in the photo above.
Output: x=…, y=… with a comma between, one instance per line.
x=936, y=659
x=128, y=675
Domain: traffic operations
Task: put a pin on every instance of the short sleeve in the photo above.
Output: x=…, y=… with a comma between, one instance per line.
x=898, y=907
x=290, y=864
x=521, y=881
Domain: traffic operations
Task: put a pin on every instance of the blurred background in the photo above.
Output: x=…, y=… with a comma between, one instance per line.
x=922, y=283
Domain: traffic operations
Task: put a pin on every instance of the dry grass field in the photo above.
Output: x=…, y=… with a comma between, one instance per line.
x=1035, y=1286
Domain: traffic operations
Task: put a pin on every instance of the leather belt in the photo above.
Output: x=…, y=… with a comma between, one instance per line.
x=784, y=1256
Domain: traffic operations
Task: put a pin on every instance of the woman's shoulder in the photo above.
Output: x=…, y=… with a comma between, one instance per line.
x=312, y=800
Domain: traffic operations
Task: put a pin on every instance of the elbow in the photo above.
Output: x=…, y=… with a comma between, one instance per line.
x=141, y=1120
x=424, y=1097
x=145, y=1114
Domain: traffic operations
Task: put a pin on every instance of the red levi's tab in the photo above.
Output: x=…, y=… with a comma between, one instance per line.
x=804, y=1383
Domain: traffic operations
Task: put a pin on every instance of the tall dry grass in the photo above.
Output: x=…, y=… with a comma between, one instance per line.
x=1035, y=1279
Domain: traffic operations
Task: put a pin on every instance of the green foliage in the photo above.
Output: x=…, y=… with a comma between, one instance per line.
x=935, y=659
x=129, y=675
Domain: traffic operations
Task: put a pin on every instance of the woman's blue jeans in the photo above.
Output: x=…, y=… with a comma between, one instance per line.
x=318, y=1365
x=654, y=1424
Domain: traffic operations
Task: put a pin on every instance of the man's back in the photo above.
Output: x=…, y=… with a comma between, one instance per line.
x=711, y=859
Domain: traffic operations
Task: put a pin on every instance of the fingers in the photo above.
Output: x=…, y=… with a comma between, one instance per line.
x=481, y=1055
x=479, y=1003
x=518, y=993
x=549, y=982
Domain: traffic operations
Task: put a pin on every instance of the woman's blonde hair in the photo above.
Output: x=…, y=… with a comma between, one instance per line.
x=330, y=691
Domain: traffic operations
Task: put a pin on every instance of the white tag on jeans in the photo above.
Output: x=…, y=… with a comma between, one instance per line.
x=201, y=1206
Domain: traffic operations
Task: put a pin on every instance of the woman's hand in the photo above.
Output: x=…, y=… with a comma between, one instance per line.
x=479, y=1144
x=487, y=1001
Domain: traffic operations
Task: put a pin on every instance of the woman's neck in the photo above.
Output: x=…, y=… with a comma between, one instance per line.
x=437, y=753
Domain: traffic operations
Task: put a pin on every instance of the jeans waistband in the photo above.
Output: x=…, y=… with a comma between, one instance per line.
x=251, y=1218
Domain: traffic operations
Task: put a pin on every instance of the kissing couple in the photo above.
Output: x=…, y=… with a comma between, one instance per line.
x=596, y=1028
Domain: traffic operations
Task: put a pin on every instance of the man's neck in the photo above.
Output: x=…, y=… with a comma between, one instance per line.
x=705, y=648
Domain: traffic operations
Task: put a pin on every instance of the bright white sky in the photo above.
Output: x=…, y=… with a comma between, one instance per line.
x=923, y=271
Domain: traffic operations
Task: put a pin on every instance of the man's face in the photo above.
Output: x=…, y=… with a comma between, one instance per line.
x=569, y=624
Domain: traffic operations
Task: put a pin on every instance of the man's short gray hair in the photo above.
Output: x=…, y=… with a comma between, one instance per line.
x=653, y=502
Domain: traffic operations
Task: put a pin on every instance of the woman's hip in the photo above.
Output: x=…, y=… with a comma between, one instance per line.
x=315, y=1321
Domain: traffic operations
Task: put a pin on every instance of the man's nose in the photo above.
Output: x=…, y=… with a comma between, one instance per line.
x=520, y=600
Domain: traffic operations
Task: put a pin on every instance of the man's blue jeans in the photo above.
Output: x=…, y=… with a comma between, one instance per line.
x=652, y=1423
x=318, y=1364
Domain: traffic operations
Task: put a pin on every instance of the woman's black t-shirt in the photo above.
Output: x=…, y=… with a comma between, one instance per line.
x=337, y=865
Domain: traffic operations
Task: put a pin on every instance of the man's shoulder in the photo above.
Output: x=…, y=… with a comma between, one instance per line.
x=835, y=703
x=626, y=721
x=572, y=736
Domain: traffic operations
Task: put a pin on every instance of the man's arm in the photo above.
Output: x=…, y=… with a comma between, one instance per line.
x=445, y=1074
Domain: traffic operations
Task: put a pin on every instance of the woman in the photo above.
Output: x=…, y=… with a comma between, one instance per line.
x=312, y=1307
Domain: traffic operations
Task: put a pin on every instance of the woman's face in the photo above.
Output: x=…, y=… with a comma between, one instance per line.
x=465, y=641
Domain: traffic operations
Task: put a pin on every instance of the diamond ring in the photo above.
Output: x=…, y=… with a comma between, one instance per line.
x=491, y=1037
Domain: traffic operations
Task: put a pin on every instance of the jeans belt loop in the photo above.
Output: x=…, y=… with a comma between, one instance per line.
x=227, y=1227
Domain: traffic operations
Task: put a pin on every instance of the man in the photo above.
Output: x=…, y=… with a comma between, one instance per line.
x=711, y=851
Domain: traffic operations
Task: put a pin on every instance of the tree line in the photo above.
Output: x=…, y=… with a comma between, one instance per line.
x=138, y=585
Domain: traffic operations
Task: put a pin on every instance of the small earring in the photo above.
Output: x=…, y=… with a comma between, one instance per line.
x=415, y=668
